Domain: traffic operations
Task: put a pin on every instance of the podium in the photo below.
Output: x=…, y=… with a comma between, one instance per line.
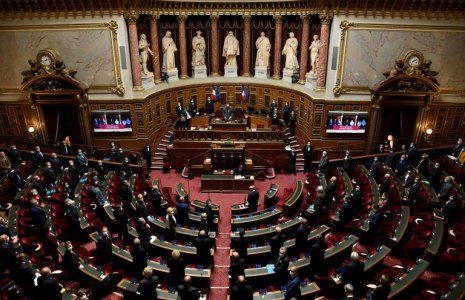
x=227, y=155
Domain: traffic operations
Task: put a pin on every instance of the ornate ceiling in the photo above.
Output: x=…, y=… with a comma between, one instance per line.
x=405, y=8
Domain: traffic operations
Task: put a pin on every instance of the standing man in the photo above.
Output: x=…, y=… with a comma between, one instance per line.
x=347, y=162
x=317, y=255
x=384, y=186
x=292, y=161
x=330, y=189
x=143, y=233
x=99, y=200
x=276, y=242
x=148, y=286
x=104, y=247
x=293, y=286
x=236, y=268
x=147, y=153
x=50, y=176
x=47, y=287
x=273, y=106
x=121, y=223
x=411, y=154
x=74, y=222
x=38, y=158
x=228, y=112
x=209, y=105
x=301, y=236
x=203, y=246
x=57, y=165
x=71, y=261
x=39, y=218
x=374, y=221
x=407, y=180
x=252, y=199
x=280, y=267
x=82, y=162
x=423, y=165
x=210, y=214
x=186, y=291
x=127, y=168
x=435, y=177
x=323, y=162
x=102, y=173
x=353, y=272
x=241, y=244
x=308, y=155
x=179, y=110
x=401, y=167
x=320, y=204
x=445, y=190
x=241, y=291
x=155, y=199
x=183, y=212
x=374, y=167
x=192, y=108
x=15, y=156
x=65, y=149
x=141, y=209
x=412, y=194
x=457, y=148
x=356, y=200
x=274, y=117
x=139, y=259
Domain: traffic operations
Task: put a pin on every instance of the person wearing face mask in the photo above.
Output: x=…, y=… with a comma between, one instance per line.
x=210, y=214
x=82, y=162
x=381, y=150
x=273, y=106
x=47, y=287
x=280, y=267
x=38, y=158
x=355, y=199
x=209, y=106
x=292, y=120
x=24, y=275
x=423, y=165
x=292, y=161
x=374, y=222
x=407, y=180
x=375, y=167
x=411, y=154
x=74, y=173
x=345, y=215
x=461, y=157
x=141, y=208
x=17, y=181
x=81, y=295
x=71, y=261
x=451, y=211
x=49, y=175
x=118, y=156
x=286, y=110
x=347, y=162
x=139, y=259
x=179, y=110
x=293, y=285
x=330, y=189
x=39, y=218
x=445, y=190
x=4, y=228
x=236, y=268
x=155, y=199
x=143, y=233
x=5, y=164
x=412, y=194
x=390, y=159
x=301, y=237
x=68, y=191
x=57, y=165
x=275, y=116
x=99, y=200
x=457, y=148
x=102, y=172
x=384, y=186
x=147, y=155
x=127, y=168
x=401, y=167
x=74, y=222
x=104, y=244
x=324, y=160
x=15, y=156
x=383, y=201
x=435, y=177
x=65, y=148
x=192, y=108
x=276, y=242
x=126, y=194
x=308, y=155
x=39, y=188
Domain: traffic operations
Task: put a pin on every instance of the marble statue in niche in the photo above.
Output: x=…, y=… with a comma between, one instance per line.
x=263, y=51
x=144, y=53
x=314, y=55
x=231, y=49
x=198, y=50
x=290, y=50
x=169, y=49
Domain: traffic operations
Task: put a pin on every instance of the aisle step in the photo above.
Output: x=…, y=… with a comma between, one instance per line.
x=157, y=162
x=167, y=136
x=295, y=146
x=170, y=132
x=157, y=167
x=299, y=159
x=161, y=149
x=163, y=145
x=165, y=141
x=161, y=153
x=157, y=158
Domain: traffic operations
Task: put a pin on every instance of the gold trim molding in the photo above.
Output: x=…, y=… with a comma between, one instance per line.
x=345, y=26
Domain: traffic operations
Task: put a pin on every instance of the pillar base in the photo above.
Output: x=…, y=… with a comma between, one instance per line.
x=310, y=81
x=184, y=77
x=173, y=75
x=246, y=75
x=288, y=74
x=262, y=72
x=199, y=72
x=230, y=71
x=276, y=77
x=158, y=81
x=138, y=89
x=147, y=80
x=215, y=75
x=320, y=89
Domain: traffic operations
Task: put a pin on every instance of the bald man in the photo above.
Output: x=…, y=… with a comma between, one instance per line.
x=186, y=291
x=252, y=199
x=49, y=175
x=203, y=245
x=57, y=165
x=237, y=267
x=48, y=288
x=241, y=291
x=276, y=242
x=293, y=286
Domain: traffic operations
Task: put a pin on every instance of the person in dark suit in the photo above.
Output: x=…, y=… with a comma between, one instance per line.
x=99, y=199
x=347, y=162
x=121, y=222
x=68, y=192
x=411, y=154
x=39, y=218
x=423, y=165
x=71, y=261
x=15, y=156
x=381, y=150
x=353, y=272
x=118, y=156
x=65, y=149
x=147, y=155
x=228, y=112
x=324, y=160
x=317, y=255
x=24, y=275
x=16, y=181
x=407, y=180
x=48, y=288
x=210, y=214
x=38, y=158
x=57, y=165
x=236, y=268
x=382, y=291
x=7, y=252
x=390, y=158
x=384, y=186
x=241, y=244
x=293, y=285
x=141, y=208
x=292, y=120
x=179, y=109
x=49, y=175
x=276, y=242
x=81, y=161
x=209, y=106
x=144, y=233
x=239, y=171
x=126, y=194
x=345, y=215
x=101, y=171
x=156, y=200
x=321, y=203
x=127, y=168
x=330, y=189
x=177, y=268
x=274, y=115
x=4, y=228
x=401, y=167
x=203, y=246
x=203, y=223
x=183, y=212
x=74, y=173
x=241, y=291
x=186, y=291
x=192, y=108
x=349, y=292
x=451, y=211
x=252, y=199
x=273, y=106
x=301, y=237
x=104, y=246
x=280, y=268
x=374, y=222
x=292, y=161
x=412, y=193
x=148, y=286
x=139, y=259
x=445, y=190
x=170, y=224
x=308, y=156
x=355, y=200
x=435, y=177
x=374, y=167
x=457, y=148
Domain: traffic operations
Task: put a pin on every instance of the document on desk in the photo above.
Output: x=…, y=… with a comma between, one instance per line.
x=270, y=268
x=153, y=238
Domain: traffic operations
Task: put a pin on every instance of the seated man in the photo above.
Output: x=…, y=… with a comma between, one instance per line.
x=240, y=171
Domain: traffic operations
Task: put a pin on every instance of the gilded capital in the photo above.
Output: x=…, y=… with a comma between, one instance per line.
x=247, y=18
x=32, y=101
x=154, y=18
x=214, y=19
x=182, y=18
x=131, y=17
x=326, y=17
x=305, y=19
x=278, y=18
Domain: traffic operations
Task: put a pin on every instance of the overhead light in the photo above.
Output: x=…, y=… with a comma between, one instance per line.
x=31, y=129
x=429, y=131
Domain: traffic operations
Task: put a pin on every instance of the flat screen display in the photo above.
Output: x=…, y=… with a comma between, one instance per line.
x=111, y=120
x=346, y=121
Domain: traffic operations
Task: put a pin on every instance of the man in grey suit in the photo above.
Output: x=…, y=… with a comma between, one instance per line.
x=82, y=162
x=323, y=162
x=228, y=112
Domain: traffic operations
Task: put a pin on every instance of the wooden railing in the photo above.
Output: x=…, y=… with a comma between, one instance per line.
x=258, y=162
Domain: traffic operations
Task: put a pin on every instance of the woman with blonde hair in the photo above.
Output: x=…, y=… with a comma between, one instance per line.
x=170, y=223
x=382, y=291
x=176, y=265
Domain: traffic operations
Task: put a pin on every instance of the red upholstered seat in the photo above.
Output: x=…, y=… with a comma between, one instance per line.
x=414, y=248
x=261, y=175
x=352, y=227
x=452, y=261
x=260, y=125
x=390, y=273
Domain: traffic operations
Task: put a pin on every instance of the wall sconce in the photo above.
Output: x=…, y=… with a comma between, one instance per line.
x=429, y=131
x=32, y=131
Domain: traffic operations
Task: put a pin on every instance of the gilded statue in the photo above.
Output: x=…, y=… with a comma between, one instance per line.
x=399, y=68
x=28, y=74
x=60, y=68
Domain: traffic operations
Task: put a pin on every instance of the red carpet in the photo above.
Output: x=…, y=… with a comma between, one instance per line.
x=219, y=280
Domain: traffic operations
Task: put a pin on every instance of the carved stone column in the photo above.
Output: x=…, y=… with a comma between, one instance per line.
x=82, y=99
x=324, y=43
x=247, y=19
x=214, y=37
x=277, y=46
x=134, y=48
x=374, y=119
x=182, y=45
x=156, y=52
x=304, y=48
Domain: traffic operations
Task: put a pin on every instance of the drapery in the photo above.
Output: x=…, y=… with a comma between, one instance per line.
x=399, y=122
x=71, y=119
x=68, y=124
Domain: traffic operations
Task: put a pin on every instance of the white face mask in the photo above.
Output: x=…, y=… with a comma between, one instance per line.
x=291, y=273
x=376, y=159
x=70, y=248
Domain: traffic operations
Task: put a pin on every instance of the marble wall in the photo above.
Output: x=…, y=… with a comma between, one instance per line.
x=370, y=52
x=87, y=50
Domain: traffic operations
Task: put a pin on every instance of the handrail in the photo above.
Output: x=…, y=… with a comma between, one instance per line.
x=158, y=132
x=260, y=159
x=195, y=158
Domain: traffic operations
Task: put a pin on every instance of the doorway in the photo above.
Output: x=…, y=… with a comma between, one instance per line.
x=400, y=123
x=62, y=121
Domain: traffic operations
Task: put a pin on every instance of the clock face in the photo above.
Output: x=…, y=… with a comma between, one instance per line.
x=45, y=60
x=414, y=61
